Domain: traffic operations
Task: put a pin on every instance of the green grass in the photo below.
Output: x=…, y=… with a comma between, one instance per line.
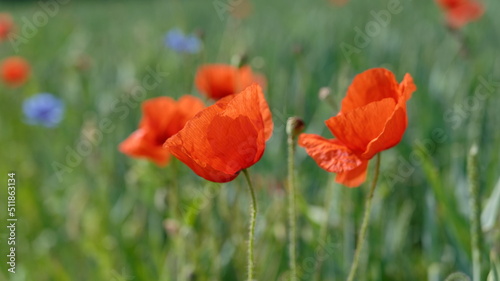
x=106, y=219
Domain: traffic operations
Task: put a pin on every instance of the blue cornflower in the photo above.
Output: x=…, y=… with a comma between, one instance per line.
x=43, y=109
x=179, y=42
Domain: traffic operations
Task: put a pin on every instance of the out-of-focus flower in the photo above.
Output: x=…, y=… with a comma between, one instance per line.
x=372, y=119
x=461, y=12
x=225, y=138
x=43, y=109
x=179, y=42
x=219, y=80
x=14, y=71
x=162, y=118
x=6, y=26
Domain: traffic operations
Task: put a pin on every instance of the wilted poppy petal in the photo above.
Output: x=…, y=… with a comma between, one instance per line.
x=357, y=128
x=353, y=178
x=330, y=155
x=370, y=86
x=136, y=146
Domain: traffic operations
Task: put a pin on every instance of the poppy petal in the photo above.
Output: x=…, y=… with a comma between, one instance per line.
x=355, y=177
x=224, y=138
x=216, y=81
x=266, y=115
x=158, y=113
x=330, y=155
x=136, y=146
x=187, y=107
x=407, y=87
x=357, y=128
x=391, y=135
x=370, y=86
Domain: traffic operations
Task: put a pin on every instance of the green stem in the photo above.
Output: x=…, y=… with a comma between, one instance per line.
x=364, y=225
x=475, y=228
x=251, y=232
x=291, y=209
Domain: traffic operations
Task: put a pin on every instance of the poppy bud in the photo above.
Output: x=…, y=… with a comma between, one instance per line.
x=294, y=126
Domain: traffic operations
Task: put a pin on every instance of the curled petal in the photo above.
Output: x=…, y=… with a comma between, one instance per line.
x=357, y=128
x=391, y=135
x=330, y=155
x=407, y=87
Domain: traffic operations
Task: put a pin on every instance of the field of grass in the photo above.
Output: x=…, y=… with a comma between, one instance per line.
x=105, y=216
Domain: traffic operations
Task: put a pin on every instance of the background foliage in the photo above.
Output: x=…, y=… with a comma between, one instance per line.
x=114, y=218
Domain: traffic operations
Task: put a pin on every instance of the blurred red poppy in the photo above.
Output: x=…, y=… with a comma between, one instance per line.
x=225, y=138
x=372, y=119
x=6, y=26
x=219, y=80
x=162, y=118
x=461, y=12
x=14, y=71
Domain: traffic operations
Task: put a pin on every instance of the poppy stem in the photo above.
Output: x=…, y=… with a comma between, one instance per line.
x=364, y=224
x=251, y=232
x=292, y=234
x=475, y=228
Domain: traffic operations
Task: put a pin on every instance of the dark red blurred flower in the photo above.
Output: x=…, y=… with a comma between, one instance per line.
x=6, y=26
x=461, y=12
x=162, y=118
x=14, y=71
x=225, y=138
x=219, y=80
x=372, y=119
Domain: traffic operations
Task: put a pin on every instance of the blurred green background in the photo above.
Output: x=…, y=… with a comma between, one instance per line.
x=109, y=217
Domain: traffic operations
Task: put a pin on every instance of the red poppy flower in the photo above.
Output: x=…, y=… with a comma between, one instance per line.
x=162, y=118
x=14, y=71
x=461, y=12
x=6, y=25
x=372, y=119
x=219, y=80
x=225, y=138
